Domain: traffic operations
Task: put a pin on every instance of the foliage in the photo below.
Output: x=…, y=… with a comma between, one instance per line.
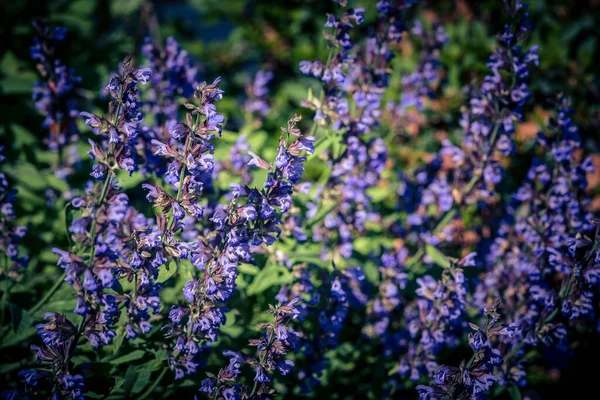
x=245, y=199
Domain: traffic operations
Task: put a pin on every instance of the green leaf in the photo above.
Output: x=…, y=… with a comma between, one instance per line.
x=271, y=275
x=118, y=383
x=27, y=175
x=322, y=213
x=19, y=318
x=23, y=137
x=233, y=328
x=166, y=271
x=6, y=368
x=130, y=182
x=13, y=338
x=134, y=355
x=161, y=355
x=118, y=342
x=322, y=145
x=21, y=323
x=248, y=269
x=141, y=382
x=152, y=365
x=437, y=256
x=130, y=379
x=514, y=391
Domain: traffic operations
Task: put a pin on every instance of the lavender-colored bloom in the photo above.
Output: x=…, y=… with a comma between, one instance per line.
x=54, y=96
x=118, y=132
x=11, y=235
x=271, y=347
x=256, y=92
x=540, y=262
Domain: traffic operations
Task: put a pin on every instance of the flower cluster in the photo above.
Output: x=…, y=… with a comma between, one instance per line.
x=58, y=375
x=251, y=218
x=381, y=250
x=174, y=76
x=256, y=92
x=278, y=339
x=422, y=83
x=472, y=379
x=355, y=78
x=119, y=130
x=542, y=263
x=12, y=234
x=55, y=96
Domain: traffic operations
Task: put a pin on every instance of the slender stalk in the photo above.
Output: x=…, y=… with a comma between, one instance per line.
x=151, y=389
x=5, y=293
x=471, y=360
x=49, y=294
x=93, y=228
x=261, y=360
x=76, y=340
x=179, y=187
x=93, y=232
x=313, y=129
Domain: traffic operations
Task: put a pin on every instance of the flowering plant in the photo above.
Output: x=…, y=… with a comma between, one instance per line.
x=403, y=239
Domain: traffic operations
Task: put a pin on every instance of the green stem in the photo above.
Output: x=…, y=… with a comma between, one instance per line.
x=5, y=293
x=514, y=351
x=150, y=390
x=313, y=129
x=60, y=281
x=261, y=360
x=93, y=229
x=179, y=191
x=563, y=293
x=49, y=294
x=415, y=259
x=76, y=340
x=471, y=361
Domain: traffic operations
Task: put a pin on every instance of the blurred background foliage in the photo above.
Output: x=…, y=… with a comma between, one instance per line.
x=234, y=39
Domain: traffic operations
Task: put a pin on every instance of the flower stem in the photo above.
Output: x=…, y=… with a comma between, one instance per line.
x=93, y=229
x=49, y=294
x=150, y=390
x=60, y=281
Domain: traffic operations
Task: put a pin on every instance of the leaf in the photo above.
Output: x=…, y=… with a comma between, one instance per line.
x=100, y=387
x=161, y=355
x=134, y=355
x=21, y=323
x=152, y=365
x=130, y=182
x=19, y=318
x=248, y=269
x=68, y=221
x=118, y=342
x=23, y=137
x=326, y=208
x=6, y=368
x=141, y=382
x=118, y=383
x=166, y=271
x=130, y=379
x=322, y=145
x=306, y=257
x=27, y=175
x=436, y=256
x=269, y=276
x=514, y=391
x=233, y=328
x=15, y=338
